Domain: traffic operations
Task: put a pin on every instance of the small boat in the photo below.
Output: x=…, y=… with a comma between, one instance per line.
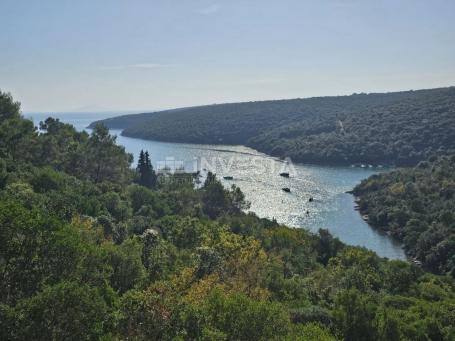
x=311, y=199
x=228, y=177
x=416, y=262
x=285, y=174
x=286, y=189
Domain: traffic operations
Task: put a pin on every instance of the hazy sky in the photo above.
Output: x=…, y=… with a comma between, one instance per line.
x=62, y=55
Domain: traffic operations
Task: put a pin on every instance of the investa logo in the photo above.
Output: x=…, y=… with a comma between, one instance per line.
x=257, y=165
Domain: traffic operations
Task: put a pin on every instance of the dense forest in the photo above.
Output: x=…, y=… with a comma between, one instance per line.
x=91, y=249
x=416, y=206
x=398, y=128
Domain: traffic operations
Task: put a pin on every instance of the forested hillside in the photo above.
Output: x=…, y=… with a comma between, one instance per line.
x=398, y=128
x=417, y=206
x=91, y=249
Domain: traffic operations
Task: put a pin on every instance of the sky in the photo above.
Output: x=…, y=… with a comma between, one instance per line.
x=138, y=55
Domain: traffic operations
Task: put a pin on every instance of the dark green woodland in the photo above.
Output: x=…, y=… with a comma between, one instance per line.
x=398, y=128
x=94, y=249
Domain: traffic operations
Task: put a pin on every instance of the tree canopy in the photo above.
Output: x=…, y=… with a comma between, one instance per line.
x=86, y=253
x=398, y=128
x=417, y=207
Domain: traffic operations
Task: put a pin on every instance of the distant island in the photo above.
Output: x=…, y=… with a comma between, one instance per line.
x=396, y=128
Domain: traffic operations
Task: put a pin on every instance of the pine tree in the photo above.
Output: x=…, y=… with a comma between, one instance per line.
x=150, y=177
x=147, y=160
x=147, y=176
x=141, y=161
x=141, y=167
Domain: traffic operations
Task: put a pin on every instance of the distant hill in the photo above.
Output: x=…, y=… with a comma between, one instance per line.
x=122, y=122
x=398, y=128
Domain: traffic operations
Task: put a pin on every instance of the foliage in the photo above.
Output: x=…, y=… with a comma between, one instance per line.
x=417, y=207
x=46, y=316
x=86, y=254
x=147, y=176
x=399, y=128
x=216, y=200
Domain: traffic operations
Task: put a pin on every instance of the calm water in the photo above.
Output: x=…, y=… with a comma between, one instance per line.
x=257, y=175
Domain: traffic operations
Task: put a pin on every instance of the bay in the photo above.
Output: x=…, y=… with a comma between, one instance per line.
x=257, y=175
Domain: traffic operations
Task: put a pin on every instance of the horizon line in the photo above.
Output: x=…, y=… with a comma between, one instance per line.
x=147, y=111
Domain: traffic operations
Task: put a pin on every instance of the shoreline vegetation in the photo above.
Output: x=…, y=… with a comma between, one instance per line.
x=93, y=249
x=396, y=129
x=416, y=207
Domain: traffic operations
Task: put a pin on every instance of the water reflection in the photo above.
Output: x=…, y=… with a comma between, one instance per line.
x=258, y=177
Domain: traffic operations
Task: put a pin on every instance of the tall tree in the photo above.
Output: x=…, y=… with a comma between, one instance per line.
x=17, y=135
x=147, y=176
x=141, y=166
x=214, y=197
x=107, y=160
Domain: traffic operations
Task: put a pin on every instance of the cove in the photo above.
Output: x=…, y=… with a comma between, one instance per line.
x=257, y=175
